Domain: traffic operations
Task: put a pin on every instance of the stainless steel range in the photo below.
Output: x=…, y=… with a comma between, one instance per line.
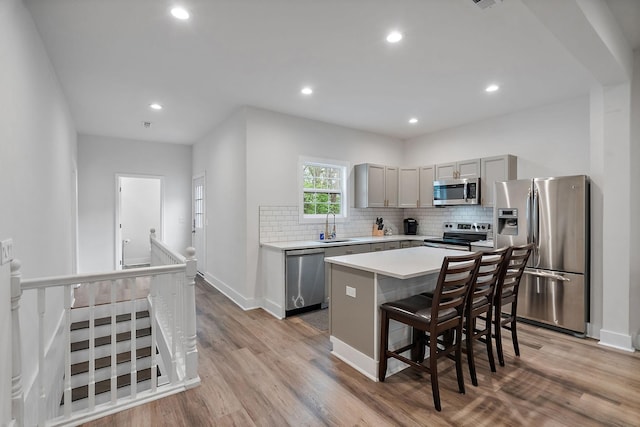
x=460, y=235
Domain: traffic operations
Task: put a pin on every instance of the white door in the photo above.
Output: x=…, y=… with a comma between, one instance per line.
x=140, y=210
x=199, y=222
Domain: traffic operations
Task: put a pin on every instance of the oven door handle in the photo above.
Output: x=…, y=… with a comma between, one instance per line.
x=445, y=246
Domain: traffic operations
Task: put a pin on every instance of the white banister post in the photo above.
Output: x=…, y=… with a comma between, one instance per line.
x=191, y=351
x=152, y=237
x=17, y=397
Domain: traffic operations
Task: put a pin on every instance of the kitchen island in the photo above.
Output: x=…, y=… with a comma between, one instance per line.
x=359, y=283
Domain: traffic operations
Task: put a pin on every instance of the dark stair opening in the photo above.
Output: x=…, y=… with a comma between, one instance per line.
x=124, y=380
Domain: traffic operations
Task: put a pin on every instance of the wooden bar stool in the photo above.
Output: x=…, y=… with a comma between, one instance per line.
x=438, y=320
x=507, y=294
x=480, y=305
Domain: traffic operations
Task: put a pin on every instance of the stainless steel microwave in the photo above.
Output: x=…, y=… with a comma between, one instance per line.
x=451, y=192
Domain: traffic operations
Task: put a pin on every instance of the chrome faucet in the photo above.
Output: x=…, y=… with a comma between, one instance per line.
x=326, y=227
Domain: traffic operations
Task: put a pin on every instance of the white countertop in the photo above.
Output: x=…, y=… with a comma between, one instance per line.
x=398, y=263
x=307, y=244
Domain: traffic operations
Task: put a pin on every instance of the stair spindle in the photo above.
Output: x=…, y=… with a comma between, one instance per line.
x=114, y=360
x=42, y=395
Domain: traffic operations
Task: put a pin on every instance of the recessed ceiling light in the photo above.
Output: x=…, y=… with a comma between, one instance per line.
x=306, y=90
x=413, y=120
x=155, y=106
x=492, y=88
x=394, y=37
x=180, y=13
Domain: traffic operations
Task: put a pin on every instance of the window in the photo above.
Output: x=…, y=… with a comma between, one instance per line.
x=323, y=189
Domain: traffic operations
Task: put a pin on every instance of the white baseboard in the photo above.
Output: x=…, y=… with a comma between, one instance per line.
x=276, y=310
x=232, y=294
x=616, y=340
x=355, y=358
x=363, y=363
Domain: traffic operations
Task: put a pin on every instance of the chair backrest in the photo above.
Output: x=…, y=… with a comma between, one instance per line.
x=515, y=268
x=457, y=274
x=493, y=266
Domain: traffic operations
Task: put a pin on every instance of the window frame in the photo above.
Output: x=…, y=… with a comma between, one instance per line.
x=321, y=218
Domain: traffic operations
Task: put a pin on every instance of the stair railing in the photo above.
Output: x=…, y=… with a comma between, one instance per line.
x=176, y=311
x=172, y=317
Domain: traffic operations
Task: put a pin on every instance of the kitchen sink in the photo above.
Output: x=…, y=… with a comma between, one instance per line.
x=335, y=240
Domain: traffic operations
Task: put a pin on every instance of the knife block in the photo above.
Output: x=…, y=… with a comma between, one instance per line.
x=376, y=232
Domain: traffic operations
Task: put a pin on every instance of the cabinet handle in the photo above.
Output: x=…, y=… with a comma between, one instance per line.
x=418, y=203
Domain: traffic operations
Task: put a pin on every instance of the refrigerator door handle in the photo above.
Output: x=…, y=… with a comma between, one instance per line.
x=528, y=213
x=535, y=226
x=546, y=275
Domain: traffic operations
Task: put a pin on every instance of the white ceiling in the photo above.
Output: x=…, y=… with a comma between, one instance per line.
x=115, y=57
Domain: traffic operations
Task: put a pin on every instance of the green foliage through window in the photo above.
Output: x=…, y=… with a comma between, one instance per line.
x=322, y=189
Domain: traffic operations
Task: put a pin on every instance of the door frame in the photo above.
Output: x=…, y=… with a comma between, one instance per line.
x=118, y=231
x=201, y=257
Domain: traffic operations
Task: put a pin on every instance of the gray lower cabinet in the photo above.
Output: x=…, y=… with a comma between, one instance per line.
x=377, y=247
x=391, y=245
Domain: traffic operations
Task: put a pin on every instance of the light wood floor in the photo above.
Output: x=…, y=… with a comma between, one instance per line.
x=260, y=371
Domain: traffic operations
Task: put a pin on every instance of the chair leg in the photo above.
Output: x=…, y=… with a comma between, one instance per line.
x=417, y=351
x=433, y=367
x=492, y=362
x=514, y=334
x=497, y=325
x=488, y=337
x=384, y=345
x=458, y=359
x=470, y=357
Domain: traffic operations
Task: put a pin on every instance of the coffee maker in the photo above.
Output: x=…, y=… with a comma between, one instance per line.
x=410, y=226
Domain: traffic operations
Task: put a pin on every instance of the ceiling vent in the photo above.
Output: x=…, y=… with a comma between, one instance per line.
x=483, y=4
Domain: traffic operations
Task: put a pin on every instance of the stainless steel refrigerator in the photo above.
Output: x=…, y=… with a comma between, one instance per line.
x=553, y=213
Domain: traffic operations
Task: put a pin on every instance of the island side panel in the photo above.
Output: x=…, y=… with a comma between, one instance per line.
x=352, y=317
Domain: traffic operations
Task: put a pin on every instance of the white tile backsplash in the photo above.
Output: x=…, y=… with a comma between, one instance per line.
x=281, y=223
x=430, y=220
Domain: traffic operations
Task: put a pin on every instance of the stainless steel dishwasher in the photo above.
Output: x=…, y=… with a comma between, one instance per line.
x=304, y=280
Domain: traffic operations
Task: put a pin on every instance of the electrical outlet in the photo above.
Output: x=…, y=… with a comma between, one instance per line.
x=351, y=292
x=6, y=247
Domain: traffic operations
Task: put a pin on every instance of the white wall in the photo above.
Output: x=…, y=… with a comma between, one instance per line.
x=221, y=156
x=99, y=160
x=634, y=299
x=551, y=140
x=37, y=157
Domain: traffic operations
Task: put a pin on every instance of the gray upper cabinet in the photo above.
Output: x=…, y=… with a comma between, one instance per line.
x=416, y=187
x=496, y=169
x=376, y=186
x=391, y=186
x=409, y=188
x=426, y=176
x=458, y=170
